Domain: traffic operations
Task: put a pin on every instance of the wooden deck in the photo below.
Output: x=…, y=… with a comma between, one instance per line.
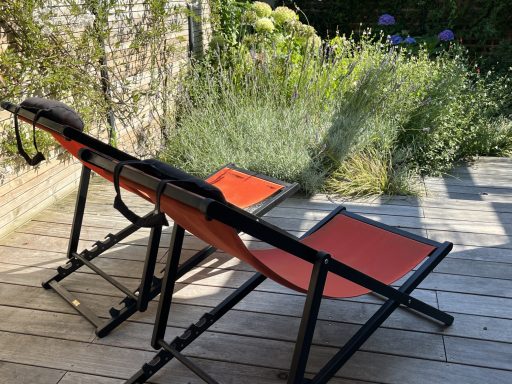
x=42, y=339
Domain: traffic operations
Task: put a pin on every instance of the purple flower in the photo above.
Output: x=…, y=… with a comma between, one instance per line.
x=386, y=19
x=410, y=40
x=395, y=39
x=446, y=35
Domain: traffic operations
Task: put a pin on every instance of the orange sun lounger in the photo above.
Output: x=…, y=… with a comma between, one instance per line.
x=344, y=255
x=244, y=189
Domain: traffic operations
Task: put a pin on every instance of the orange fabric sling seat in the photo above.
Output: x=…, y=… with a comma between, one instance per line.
x=344, y=255
x=383, y=255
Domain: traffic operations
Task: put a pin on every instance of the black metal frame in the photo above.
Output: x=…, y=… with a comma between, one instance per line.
x=134, y=301
x=322, y=264
x=150, y=285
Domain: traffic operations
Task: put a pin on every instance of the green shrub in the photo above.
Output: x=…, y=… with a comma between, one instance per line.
x=355, y=117
x=254, y=121
x=451, y=121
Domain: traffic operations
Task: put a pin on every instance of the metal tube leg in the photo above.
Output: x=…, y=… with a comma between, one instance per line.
x=309, y=318
x=148, y=273
x=168, y=282
x=79, y=211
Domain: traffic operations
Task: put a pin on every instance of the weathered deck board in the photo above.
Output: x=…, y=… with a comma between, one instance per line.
x=18, y=373
x=42, y=339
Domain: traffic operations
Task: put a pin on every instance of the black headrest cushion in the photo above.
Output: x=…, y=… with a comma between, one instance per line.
x=184, y=180
x=54, y=110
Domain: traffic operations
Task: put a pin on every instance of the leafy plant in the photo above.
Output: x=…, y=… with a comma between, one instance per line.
x=252, y=120
x=356, y=117
x=73, y=53
x=227, y=21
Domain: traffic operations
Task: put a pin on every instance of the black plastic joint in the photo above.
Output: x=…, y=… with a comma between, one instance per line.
x=64, y=270
x=99, y=245
x=156, y=282
x=178, y=343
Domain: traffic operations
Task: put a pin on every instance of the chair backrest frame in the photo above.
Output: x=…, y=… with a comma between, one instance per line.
x=67, y=132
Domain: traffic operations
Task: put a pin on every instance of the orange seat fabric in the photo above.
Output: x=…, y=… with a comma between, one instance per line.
x=242, y=189
x=381, y=254
x=384, y=255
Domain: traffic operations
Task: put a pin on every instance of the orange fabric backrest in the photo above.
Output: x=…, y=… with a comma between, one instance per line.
x=243, y=190
x=213, y=232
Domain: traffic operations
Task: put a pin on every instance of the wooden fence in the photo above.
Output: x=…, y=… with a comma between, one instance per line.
x=25, y=191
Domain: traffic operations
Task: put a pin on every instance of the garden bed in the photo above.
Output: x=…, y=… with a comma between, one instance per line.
x=366, y=116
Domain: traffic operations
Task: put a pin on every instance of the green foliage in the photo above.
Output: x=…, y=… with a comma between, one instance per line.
x=45, y=59
x=457, y=111
x=61, y=53
x=227, y=20
x=356, y=117
x=260, y=29
x=480, y=24
x=254, y=120
x=371, y=172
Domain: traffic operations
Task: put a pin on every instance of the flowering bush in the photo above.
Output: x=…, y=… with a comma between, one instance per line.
x=366, y=117
x=261, y=9
x=306, y=30
x=410, y=40
x=432, y=44
x=284, y=15
x=264, y=25
x=446, y=35
x=395, y=39
x=386, y=19
x=278, y=32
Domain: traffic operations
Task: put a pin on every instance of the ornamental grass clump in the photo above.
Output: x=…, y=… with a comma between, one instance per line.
x=372, y=172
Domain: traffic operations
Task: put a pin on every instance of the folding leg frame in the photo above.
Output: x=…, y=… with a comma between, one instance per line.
x=173, y=350
x=135, y=300
x=323, y=265
x=150, y=285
